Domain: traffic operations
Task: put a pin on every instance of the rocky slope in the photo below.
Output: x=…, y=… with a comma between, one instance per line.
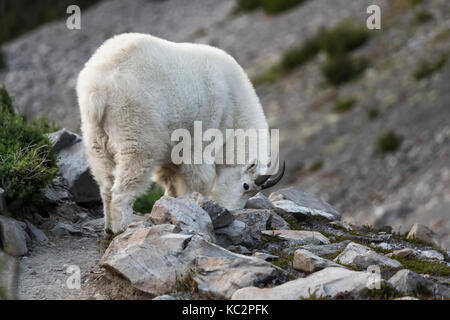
x=331, y=155
x=288, y=246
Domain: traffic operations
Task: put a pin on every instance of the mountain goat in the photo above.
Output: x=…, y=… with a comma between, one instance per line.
x=134, y=91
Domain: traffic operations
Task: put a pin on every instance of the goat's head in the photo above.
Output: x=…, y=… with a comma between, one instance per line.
x=235, y=185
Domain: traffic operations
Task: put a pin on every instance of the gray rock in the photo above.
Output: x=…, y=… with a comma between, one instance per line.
x=154, y=258
x=36, y=234
x=259, y=220
x=259, y=201
x=64, y=229
x=402, y=253
x=9, y=276
x=306, y=261
x=362, y=257
x=220, y=216
x=57, y=191
x=327, y=283
x=327, y=249
x=62, y=139
x=421, y=232
x=293, y=201
x=13, y=237
x=431, y=254
x=73, y=166
x=164, y=297
x=220, y=276
x=184, y=214
x=238, y=249
x=410, y=283
x=237, y=233
x=308, y=237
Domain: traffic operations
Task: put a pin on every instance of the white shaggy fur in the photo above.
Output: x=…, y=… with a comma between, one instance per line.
x=133, y=92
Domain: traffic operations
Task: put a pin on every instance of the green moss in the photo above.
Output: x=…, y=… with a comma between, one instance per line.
x=27, y=162
x=284, y=260
x=426, y=69
x=386, y=292
x=145, y=202
x=344, y=105
x=298, y=56
x=344, y=38
x=388, y=142
x=424, y=266
x=186, y=284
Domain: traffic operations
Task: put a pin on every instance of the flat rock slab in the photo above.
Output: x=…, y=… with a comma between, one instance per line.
x=297, y=202
x=186, y=215
x=306, y=261
x=154, y=258
x=305, y=236
x=362, y=257
x=327, y=283
x=409, y=282
x=326, y=249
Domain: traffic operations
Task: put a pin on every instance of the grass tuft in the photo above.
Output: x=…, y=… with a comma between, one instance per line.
x=426, y=69
x=344, y=105
x=389, y=142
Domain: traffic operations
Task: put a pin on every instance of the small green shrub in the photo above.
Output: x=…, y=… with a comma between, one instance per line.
x=269, y=6
x=298, y=56
x=2, y=60
x=426, y=69
x=423, y=16
x=372, y=113
x=341, y=68
x=145, y=202
x=388, y=142
x=27, y=162
x=271, y=75
x=345, y=37
x=344, y=105
x=424, y=266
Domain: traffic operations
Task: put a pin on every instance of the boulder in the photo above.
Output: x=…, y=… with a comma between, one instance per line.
x=9, y=276
x=299, y=204
x=237, y=233
x=259, y=220
x=410, y=283
x=155, y=258
x=259, y=201
x=220, y=276
x=328, y=283
x=219, y=215
x=13, y=237
x=308, y=237
x=184, y=214
x=57, y=191
x=73, y=166
x=421, y=232
x=306, y=261
x=362, y=257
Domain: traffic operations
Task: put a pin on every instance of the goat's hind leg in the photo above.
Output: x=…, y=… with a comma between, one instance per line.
x=131, y=179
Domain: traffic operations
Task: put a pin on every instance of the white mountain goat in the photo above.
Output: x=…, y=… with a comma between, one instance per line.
x=134, y=91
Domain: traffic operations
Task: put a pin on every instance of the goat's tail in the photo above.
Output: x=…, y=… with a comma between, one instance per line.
x=92, y=97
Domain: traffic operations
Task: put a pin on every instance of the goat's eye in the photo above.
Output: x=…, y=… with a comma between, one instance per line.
x=246, y=186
